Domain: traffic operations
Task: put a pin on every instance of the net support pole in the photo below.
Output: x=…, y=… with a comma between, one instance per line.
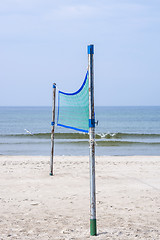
x=53, y=126
x=93, y=225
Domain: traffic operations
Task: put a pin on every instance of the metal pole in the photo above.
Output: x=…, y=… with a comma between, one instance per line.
x=93, y=225
x=52, y=132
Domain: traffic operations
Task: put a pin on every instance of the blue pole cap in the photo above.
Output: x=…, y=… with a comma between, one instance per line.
x=91, y=49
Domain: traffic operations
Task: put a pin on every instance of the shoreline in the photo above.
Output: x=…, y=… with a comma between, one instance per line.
x=34, y=204
x=77, y=156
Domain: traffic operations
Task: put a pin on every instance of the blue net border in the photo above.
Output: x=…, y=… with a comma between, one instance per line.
x=77, y=129
x=74, y=93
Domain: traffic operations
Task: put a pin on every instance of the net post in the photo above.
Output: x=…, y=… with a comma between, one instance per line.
x=93, y=225
x=53, y=126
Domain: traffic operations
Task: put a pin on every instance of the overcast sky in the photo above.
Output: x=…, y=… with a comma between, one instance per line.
x=45, y=41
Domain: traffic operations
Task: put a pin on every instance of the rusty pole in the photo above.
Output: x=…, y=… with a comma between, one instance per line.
x=53, y=125
x=93, y=225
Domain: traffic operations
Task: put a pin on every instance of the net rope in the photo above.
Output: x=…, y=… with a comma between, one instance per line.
x=73, y=108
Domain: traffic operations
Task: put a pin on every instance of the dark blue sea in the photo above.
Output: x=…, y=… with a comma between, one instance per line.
x=120, y=131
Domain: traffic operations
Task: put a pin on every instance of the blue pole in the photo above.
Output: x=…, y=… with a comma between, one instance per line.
x=93, y=225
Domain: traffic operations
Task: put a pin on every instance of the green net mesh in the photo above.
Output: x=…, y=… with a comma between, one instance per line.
x=73, y=108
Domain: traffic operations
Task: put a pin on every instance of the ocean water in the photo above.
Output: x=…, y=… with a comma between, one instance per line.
x=120, y=131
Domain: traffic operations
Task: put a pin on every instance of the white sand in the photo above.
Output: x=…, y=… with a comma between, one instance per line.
x=34, y=205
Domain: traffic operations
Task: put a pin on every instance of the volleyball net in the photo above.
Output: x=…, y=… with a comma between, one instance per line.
x=73, y=108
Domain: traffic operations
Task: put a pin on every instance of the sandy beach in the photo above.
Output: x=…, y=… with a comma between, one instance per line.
x=34, y=205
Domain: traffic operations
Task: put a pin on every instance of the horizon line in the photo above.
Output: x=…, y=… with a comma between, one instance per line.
x=95, y=106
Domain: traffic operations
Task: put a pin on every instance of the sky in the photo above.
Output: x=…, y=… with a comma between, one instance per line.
x=45, y=41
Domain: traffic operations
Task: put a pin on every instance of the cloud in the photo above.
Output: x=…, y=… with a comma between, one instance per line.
x=71, y=12
x=34, y=17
